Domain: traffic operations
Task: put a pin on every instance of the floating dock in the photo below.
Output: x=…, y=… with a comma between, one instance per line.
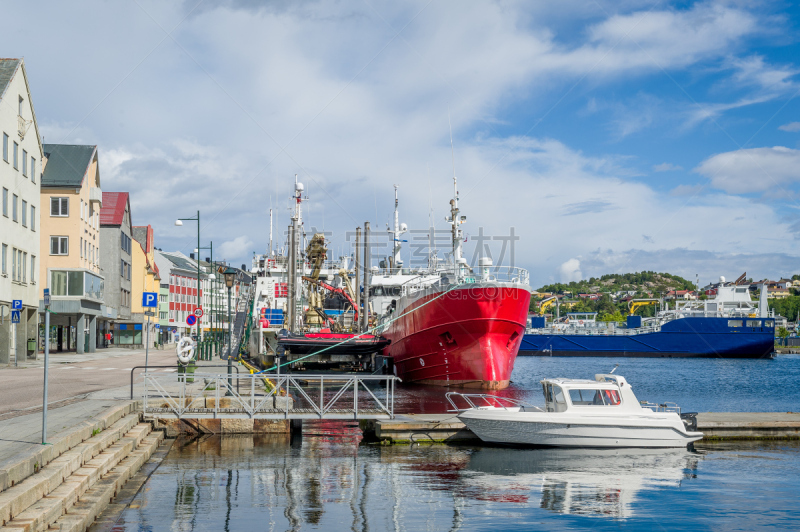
x=419, y=428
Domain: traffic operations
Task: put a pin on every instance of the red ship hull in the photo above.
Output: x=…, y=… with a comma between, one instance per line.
x=468, y=337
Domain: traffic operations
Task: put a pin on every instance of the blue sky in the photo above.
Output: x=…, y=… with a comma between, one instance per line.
x=612, y=136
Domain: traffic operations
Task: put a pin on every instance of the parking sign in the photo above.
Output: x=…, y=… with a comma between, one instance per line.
x=149, y=299
x=16, y=304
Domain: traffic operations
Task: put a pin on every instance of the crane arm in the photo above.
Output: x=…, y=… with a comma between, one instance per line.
x=335, y=290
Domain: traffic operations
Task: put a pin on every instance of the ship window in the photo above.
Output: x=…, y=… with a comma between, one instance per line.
x=734, y=323
x=754, y=323
x=594, y=397
x=769, y=323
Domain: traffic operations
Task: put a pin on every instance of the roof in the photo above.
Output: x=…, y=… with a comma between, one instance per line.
x=113, y=209
x=66, y=164
x=144, y=235
x=180, y=262
x=8, y=67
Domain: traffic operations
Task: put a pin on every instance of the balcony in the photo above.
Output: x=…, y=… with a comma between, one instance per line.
x=96, y=195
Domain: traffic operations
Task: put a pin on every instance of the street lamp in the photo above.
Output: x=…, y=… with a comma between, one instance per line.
x=179, y=223
x=230, y=278
x=211, y=278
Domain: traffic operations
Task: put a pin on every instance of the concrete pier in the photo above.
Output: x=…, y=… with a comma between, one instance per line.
x=714, y=425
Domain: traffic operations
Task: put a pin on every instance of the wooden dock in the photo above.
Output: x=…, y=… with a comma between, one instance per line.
x=419, y=428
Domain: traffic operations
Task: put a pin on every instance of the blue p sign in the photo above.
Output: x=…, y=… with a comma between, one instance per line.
x=149, y=299
x=16, y=304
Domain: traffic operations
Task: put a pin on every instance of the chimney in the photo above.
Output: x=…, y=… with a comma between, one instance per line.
x=244, y=267
x=191, y=256
x=208, y=260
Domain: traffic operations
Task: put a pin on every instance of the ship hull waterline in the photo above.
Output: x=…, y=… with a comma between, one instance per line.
x=468, y=337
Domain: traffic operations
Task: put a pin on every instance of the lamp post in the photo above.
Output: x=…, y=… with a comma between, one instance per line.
x=179, y=223
x=230, y=277
x=211, y=278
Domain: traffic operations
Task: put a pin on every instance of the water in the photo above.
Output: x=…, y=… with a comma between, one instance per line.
x=332, y=481
x=696, y=384
x=260, y=483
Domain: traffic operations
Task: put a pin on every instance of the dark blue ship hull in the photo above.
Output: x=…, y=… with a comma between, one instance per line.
x=684, y=337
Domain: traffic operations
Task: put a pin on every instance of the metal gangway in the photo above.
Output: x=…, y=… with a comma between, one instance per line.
x=267, y=396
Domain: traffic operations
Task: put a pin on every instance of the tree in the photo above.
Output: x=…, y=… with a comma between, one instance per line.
x=782, y=332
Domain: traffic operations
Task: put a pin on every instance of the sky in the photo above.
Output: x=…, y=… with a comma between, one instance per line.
x=605, y=136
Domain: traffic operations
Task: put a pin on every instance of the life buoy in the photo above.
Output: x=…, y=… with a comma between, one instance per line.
x=185, y=350
x=580, y=322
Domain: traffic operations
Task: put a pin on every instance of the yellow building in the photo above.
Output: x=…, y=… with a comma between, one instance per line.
x=70, y=242
x=145, y=277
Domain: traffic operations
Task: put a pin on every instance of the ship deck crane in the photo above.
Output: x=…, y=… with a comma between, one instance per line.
x=326, y=286
x=635, y=304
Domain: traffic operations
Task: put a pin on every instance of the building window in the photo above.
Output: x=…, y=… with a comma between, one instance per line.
x=5, y=147
x=80, y=248
x=25, y=163
x=14, y=199
x=5, y=259
x=81, y=209
x=59, y=245
x=19, y=109
x=59, y=206
x=24, y=268
x=16, y=156
x=33, y=269
x=24, y=213
x=5, y=202
x=13, y=264
x=33, y=218
x=129, y=272
x=33, y=170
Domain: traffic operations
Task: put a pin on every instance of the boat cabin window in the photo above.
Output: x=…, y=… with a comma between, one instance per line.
x=769, y=323
x=554, y=398
x=734, y=323
x=754, y=323
x=386, y=291
x=588, y=397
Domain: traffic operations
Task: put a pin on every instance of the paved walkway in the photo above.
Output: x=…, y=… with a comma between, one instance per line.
x=73, y=357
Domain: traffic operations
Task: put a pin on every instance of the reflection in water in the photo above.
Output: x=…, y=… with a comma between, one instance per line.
x=600, y=482
x=263, y=482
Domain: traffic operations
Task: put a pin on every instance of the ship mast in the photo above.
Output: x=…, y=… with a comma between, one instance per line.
x=294, y=275
x=454, y=219
x=397, y=261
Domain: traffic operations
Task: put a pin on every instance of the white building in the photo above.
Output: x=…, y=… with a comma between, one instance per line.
x=20, y=178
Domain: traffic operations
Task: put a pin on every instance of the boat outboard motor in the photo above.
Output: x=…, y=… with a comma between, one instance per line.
x=690, y=421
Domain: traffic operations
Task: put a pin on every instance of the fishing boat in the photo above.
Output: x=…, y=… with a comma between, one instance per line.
x=603, y=412
x=448, y=325
x=729, y=325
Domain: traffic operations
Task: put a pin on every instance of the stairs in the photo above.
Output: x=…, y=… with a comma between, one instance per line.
x=71, y=491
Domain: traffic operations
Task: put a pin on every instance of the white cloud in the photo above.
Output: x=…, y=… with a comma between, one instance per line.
x=791, y=127
x=240, y=246
x=752, y=170
x=666, y=167
x=570, y=271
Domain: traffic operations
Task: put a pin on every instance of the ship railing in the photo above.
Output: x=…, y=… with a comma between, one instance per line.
x=484, y=400
x=661, y=407
x=502, y=274
x=596, y=331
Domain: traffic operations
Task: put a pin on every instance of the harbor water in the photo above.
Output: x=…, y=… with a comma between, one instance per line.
x=331, y=480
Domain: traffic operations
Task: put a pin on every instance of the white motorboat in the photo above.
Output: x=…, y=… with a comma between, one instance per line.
x=578, y=413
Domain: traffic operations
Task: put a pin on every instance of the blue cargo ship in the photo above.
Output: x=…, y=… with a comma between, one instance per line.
x=729, y=326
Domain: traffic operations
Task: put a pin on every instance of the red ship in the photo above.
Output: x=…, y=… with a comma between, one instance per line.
x=447, y=325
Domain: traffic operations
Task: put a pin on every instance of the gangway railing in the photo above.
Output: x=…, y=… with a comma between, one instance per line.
x=213, y=396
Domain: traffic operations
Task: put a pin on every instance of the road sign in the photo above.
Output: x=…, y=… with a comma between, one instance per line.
x=174, y=331
x=14, y=316
x=46, y=297
x=149, y=299
x=157, y=326
x=198, y=312
x=149, y=313
x=16, y=304
x=191, y=320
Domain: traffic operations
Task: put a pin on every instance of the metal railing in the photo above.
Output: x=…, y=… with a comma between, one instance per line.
x=661, y=407
x=209, y=395
x=487, y=400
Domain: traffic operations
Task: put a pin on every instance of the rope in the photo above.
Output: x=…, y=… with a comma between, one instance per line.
x=368, y=331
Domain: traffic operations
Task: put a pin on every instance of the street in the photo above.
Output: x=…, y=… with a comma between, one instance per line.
x=71, y=379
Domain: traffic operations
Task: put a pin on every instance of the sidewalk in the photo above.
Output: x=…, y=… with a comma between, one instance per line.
x=72, y=357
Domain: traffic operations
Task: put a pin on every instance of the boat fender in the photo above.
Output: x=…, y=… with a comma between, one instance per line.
x=185, y=350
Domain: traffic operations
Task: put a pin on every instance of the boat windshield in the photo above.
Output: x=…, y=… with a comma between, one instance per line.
x=554, y=398
x=594, y=397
